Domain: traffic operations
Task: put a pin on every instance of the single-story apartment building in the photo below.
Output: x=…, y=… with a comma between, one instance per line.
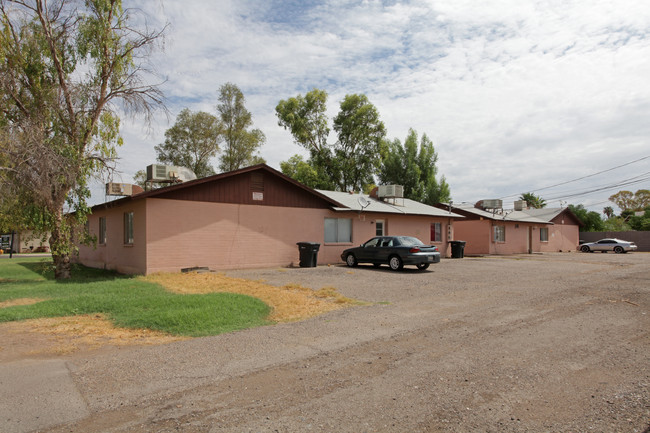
x=499, y=231
x=252, y=217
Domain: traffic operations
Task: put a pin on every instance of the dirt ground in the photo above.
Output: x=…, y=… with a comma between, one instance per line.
x=536, y=343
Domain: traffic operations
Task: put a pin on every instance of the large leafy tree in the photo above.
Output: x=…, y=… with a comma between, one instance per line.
x=359, y=149
x=591, y=219
x=191, y=142
x=304, y=172
x=305, y=117
x=241, y=143
x=640, y=222
x=413, y=166
x=634, y=201
x=353, y=160
x=616, y=224
x=534, y=201
x=66, y=67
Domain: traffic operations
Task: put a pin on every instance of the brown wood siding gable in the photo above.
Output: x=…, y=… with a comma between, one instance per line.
x=568, y=217
x=252, y=188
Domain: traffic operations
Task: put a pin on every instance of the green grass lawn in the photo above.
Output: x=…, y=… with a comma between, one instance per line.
x=127, y=301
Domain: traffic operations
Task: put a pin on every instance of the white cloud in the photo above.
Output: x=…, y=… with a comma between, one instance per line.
x=517, y=95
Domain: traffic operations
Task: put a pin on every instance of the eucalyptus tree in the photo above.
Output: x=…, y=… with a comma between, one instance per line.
x=306, y=173
x=354, y=158
x=634, y=201
x=191, y=142
x=359, y=149
x=306, y=119
x=67, y=67
x=240, y=142
x=413, y=165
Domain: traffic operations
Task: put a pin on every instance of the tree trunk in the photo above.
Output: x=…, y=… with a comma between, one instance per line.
x=60, y=246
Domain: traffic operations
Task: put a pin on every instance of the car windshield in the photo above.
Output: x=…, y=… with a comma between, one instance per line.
x=371, y=243
x=410, y=241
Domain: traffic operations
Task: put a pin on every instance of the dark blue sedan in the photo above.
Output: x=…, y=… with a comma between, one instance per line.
x=395, y=251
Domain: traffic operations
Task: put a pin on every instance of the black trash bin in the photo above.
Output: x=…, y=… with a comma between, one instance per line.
x=308, y=254
x=457, y=249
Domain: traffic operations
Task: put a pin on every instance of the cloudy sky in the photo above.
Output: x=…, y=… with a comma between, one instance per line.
x=517, y=95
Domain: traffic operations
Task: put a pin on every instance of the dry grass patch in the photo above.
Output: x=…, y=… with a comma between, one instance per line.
x=20, y=301
x=89, y=331
x=289, y=303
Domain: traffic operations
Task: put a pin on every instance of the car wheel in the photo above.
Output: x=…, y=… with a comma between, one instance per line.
x=395, y=263
x=618, y=250
x=584, y=249
x=376, y=265
x=351, y=261
x=422, y=266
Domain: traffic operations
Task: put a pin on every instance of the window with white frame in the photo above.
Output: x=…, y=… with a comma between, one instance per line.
x=436, y=232
x=380, y=228
x=338, y=230
x=543, y=234
x=102, y=230
x=499, y=233
x=128, y=228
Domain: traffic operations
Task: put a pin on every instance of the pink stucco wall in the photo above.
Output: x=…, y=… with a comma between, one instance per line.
x=521, y=238
x=476, y=234
x=517, y=238
x=115, y=255
x=561, y=238
x=183, y=234
x=174, y=234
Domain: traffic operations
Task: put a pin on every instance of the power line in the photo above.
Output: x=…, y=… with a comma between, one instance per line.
x=625, y=182
x=583, y=177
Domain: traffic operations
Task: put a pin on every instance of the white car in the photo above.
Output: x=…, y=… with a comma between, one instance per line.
x=611, y=244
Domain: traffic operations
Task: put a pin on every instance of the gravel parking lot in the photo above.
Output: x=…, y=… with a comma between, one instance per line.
x=534, y=343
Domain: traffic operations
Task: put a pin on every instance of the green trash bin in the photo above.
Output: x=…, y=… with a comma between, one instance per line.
x=457, y=249
x=308, y=254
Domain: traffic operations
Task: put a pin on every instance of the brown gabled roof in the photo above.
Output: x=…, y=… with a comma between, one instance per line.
x=215, y=178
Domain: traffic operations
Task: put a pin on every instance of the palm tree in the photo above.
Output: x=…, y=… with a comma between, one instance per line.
x=533, y=200
x=608, y=211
